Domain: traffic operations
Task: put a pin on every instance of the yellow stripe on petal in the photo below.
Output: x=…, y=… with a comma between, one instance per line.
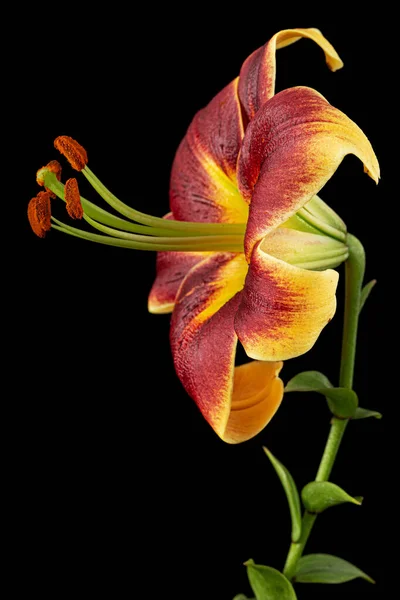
x=257, y=76
x=289, y=36
x=236, y=402
x=257, y=394
x=283, y=308
x=203, y=179
x=202, y=335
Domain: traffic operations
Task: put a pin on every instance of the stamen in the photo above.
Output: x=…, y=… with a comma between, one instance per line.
x=77, y=157
x=103, y=216
x=52, y=167
x=190, y=227
x=73, y=199
x=107, y=218
x=207, y=242
x=39, y=213
x=73, y=152
x=146, y=245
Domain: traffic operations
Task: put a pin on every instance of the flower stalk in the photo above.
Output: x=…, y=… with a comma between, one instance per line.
x=355, y=268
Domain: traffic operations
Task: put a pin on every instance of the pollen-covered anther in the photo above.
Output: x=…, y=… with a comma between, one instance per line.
x=73, y=199
x=74, y=152
x=52, y=167
x=39, y=213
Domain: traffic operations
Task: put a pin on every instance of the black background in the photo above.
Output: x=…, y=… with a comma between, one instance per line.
x=126, y=490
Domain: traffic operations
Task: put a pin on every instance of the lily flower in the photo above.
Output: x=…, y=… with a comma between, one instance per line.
x=248, y=251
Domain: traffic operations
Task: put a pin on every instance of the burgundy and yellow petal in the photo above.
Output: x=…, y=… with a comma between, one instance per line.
x=257, y=76
x=283, y=308
x=291, y=148
x=203, y=185
x=239, y=402
x=171, y=270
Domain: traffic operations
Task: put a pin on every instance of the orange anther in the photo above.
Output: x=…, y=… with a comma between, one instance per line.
x=73, y=151
x=73, y=199
x=39, y=213
x=52, y=167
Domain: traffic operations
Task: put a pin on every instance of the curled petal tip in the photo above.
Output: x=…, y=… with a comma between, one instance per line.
x=73, y=151
x=373, y=171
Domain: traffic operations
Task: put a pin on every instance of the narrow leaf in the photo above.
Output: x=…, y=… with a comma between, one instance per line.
x=268, y=583
x=242, y=597
x=317, y=496
x=363, y=413
x=324, y=568
x=365, y=292
x=308, y=381
x=342, y=402
x=291, y=493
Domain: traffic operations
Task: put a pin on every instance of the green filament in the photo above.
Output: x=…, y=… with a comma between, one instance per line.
x=135, y=215
x=183, y=245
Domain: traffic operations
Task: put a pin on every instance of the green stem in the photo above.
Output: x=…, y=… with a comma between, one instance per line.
x=355, y=267
x=338, y=427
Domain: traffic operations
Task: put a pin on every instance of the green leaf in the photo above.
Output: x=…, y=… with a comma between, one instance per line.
x=291, y=493
x=363, y=413
x=365, y=292
x=268, y=583
x=324, y=568
x=342, y=402
x=317, y=496
x=242, y=597
x=308, y=381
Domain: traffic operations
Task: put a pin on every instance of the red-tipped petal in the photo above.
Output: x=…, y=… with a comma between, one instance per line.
x=257, y=76
x=290, y=150
x=203, y=179
x=283, y=308
x=239, y=402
